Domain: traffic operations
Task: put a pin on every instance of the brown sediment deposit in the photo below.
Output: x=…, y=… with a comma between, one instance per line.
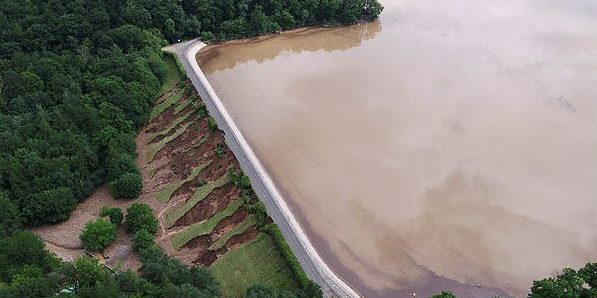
x=451, y=143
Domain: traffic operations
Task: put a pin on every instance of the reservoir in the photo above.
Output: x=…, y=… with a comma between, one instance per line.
x=451, y=145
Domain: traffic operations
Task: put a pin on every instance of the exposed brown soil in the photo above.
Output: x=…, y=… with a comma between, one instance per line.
x=182, y=143
x=242, y=238
x=200, y=243
x=215, y=202
x=208, y=257
x=160, y=137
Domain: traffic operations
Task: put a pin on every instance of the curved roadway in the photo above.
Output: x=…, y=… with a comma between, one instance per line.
x=277, y=208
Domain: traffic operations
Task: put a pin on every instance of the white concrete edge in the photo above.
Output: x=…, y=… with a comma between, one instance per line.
x=314, y=266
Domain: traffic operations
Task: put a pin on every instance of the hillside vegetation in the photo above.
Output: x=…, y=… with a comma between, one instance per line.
x=78, y=77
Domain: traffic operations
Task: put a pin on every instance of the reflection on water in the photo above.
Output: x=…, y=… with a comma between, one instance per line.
x=454, y=149
x=292, y=42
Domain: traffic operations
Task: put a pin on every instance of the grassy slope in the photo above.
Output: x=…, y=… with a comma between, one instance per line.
x=204, y=227
x=173, y=75
x=256, y=262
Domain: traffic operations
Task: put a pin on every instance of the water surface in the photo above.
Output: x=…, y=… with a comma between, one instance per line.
x=451, y=145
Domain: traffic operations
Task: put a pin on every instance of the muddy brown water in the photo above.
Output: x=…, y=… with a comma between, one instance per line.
x=451, y=145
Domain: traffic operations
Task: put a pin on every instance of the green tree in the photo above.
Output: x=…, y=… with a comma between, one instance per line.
x=21, y=249
x=128, y=185
x=30, y=282
x=98, y=234
x=142, y=240
x=139, y=216
x=568, y=284
x=10, y=217
x=48, y=206
x=115, y=214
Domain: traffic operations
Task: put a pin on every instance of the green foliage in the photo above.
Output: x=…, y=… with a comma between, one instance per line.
x=312, y=290
x=115, y=214
x=160, y=269
x=23, y=249
x=569, y=284
x=48, y=206
x=10, y=217
x=238, y=178
x=142, y=240
x=128, y=185
x=78, y=79
x=260, y=213
x=286, y=251
x=31, y=282
x=220, y=149
x=98, y=234
x=444, y=294
x=140, y=216
x=211, y=124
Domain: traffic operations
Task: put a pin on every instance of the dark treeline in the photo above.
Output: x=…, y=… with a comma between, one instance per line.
x=78, y=77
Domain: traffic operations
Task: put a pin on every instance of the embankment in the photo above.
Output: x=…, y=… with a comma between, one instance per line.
x=276, y=206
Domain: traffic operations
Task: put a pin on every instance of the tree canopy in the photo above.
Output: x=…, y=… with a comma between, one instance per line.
x=78, y=77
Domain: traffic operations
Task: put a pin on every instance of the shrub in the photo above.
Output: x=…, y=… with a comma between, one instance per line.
x=287, y=253
x=211, y=123
x=115, y=214
x=444, y=294
x=98, y=234
x=128, y=186
x=138, y=217
x=239, y=179
x=142, y=240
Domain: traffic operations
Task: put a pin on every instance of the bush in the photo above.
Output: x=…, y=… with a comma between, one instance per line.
x=115, y=214
x=98, y=234
x=287, y=253
x=211, y=124
x=142, y=240
x=128, y=186
x=444, y=294
x=139, y=216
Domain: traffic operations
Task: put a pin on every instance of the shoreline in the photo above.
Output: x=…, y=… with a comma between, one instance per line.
x=276, y=206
